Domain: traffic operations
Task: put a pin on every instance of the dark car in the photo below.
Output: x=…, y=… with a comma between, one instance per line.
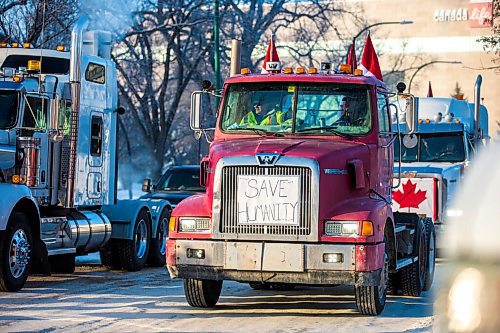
x=177, y=183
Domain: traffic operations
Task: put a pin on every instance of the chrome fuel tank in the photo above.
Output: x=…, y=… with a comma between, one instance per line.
x=87, y=231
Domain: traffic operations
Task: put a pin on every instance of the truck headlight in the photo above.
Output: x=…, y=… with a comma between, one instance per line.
x=342, y=228
x=194, y=224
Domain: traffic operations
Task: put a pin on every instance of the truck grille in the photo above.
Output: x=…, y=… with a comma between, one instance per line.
x=229, y=215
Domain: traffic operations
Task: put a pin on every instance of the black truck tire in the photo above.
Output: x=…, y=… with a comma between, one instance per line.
x=62, y=263
x=133, y=253
x=413, y=275
x=202, y=293
x=260, y=285
x=109, y=258
x=430, y=238
x=16, y=239
x=157, y=250
x=370, y=300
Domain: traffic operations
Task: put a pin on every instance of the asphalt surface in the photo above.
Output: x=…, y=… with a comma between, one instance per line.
x=94, y=299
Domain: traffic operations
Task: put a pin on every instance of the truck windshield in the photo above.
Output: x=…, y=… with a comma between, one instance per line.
x=8, y=109
x=434, y=147
x=180, y=179
x=290, y=107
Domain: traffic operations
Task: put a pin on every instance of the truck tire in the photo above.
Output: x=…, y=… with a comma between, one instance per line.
x=413, y=275
x=157, y=250
x=108, y=257
x=132, y=253
x=260, y=285
x=15, y=260
x=202, y=293
x=430, y=238
x=370, y=300
x=63, y=263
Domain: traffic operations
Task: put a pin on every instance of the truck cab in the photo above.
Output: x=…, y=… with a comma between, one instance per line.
x=298, y=181
x=435, y=156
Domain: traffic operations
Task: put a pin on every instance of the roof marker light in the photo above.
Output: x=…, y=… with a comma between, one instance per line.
x=457, y=121
x=420, y=121
x=427, y=121
x=312, y=70
x=16, y=45
x=358, y=72
x=60, y=48
x=300, y=70
x=245, y=71
x=27, y=45
x=345, y=68
x=4, y=45
x=17, y=78
x=288, y=70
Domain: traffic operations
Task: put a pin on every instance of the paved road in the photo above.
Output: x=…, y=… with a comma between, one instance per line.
x=94, y=299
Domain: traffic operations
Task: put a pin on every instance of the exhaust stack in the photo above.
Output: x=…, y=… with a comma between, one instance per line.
x=235, y=57
x=75, y=75
x=478, y=132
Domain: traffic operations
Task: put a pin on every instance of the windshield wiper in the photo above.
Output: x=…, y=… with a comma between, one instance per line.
x=262, y=132
x=330, y=129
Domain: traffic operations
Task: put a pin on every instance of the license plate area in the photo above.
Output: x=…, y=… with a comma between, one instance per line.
x=268, y=257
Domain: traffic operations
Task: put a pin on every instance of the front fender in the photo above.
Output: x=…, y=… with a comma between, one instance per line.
x=11, y=195
x=361, y=209
x=124, y=213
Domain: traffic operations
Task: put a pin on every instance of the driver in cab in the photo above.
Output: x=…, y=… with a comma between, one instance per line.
x=262, y=115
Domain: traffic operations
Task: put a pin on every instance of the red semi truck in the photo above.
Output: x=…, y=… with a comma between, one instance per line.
x=299, y=193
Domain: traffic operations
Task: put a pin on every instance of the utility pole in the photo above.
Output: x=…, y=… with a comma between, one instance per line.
x=217, y=51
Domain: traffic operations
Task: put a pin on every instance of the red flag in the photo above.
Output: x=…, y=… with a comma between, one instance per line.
x=271, y=57
x=369, y=60
x=351, y=58
x=429, y=91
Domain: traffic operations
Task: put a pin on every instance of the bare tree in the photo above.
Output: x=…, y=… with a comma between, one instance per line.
x=156, y=61
x=492, y=43
x=44, y=23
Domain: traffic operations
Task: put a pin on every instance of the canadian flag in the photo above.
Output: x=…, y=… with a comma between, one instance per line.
x=351, y=57
x=369, y=61
x=272, y=60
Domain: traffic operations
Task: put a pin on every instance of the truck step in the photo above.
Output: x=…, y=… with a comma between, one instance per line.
x=405, y=262
x=55, y=252
x=401, y=227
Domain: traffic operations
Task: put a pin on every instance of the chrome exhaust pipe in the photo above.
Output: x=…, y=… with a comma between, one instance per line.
x=235, y=57
x=478, y=133
x=75, y=75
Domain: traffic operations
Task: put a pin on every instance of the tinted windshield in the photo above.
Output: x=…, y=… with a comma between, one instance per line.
x=326, y=109
x=8, y=109
x=434, y=147
x=180, y=180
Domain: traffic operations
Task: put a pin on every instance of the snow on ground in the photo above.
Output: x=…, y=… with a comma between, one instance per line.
x=94, y=299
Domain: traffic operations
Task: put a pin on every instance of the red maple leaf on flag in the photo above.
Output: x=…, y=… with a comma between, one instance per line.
x=409, y=197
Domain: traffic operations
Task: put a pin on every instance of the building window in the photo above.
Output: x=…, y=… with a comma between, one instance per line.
x=96, y=136
x=95, y=73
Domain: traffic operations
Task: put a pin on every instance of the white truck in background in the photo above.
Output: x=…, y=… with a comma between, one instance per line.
x=58, y=164
x=447, y=134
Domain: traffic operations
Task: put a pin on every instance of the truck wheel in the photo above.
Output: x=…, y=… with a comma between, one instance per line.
x=282, y=286
x=370, y=300
x=202, y=293
x=260, y=285
x=413, y=275
x=63, y=263
x=430, y=238
x=132, y=253
x=15, y=247
x=108, y=257
x=158, y=245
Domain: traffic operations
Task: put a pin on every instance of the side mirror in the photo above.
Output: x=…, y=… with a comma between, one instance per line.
x=412, y=114
x=120, y=110
x=196, y=109
x=147, y=185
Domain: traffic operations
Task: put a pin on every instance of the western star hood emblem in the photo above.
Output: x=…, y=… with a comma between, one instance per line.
x=267, y=159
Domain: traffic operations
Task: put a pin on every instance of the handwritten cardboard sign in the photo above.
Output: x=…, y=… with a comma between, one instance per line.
x=271, y=200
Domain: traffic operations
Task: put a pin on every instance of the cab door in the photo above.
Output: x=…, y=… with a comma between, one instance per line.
x=385, y=141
